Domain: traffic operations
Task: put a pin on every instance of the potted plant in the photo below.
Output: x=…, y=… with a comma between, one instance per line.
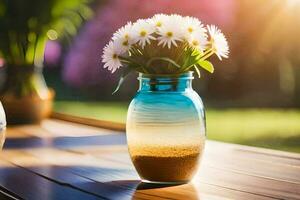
x=166, y=119
x=25, y=28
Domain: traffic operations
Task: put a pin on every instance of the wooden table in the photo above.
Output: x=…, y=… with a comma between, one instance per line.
x=64, y=160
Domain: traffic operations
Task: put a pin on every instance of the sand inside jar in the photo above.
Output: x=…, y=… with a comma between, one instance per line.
x=166, y=164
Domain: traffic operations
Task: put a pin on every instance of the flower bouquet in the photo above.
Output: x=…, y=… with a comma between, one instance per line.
x=166, y=119
x=164, y=44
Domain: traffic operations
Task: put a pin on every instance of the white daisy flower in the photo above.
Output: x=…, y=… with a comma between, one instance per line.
x=192, y=25
x=158, y=20
x=142, y=31
x=176, y=18
x=198, y=40
x=123, y=37
x=122, y=45
x=125, y=32
x=170, y=32
x=218, y=42
x=110, y=57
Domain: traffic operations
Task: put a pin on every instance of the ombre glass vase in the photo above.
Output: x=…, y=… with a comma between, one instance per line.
x=166, y=129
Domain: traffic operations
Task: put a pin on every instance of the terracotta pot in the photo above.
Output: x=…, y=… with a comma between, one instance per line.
x=26, y=97
x=28, y=109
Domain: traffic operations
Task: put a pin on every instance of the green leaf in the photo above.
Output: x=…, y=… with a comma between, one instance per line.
x=124, y=75
x=190, y=58
x=196, y=53
x=208, y=66
x=163, y=59
x=197, y=71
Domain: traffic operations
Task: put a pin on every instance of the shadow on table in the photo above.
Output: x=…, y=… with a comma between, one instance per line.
x=64, y=142
x=55, y=182
x=150, y=190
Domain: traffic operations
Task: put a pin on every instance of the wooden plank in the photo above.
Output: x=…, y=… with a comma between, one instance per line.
x=63, y=142
x=257, y=153
x=232, y=157
x=215, y=175
x=16, y=132
x=64, y=128
x=217, y=155
x=91, y=122
x=16, y=180
x=248, y=183
x=114, y=185
x=4, y=194
x=126, y=172
x=233, y=179
x=56, y=128
x=62, y=174
x=266, y=169
x=235, y=172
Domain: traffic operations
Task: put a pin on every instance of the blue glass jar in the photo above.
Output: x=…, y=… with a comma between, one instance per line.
x=2, y=126
x=166, y=128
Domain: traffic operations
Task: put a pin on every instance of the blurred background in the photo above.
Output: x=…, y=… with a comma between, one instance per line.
x=253, y=97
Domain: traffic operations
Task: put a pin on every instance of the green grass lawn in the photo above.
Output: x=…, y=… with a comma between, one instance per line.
x=270, y=128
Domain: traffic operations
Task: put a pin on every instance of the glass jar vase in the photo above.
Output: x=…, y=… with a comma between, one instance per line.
x=2, y=126
x=166, y=128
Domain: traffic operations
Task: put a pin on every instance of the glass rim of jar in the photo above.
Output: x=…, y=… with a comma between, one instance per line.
x=185, y=75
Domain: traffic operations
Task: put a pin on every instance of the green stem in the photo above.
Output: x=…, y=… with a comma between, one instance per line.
x=206, y=55
x=125, y=61
x=128, y=60
x=35, y=48
x=207, y=51
x=170, y=61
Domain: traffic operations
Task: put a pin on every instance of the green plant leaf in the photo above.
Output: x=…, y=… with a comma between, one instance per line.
x=196, y=53
x=126, y=71
x=208, y=66
x=37, y=17
x=191, y=57
x=197, y=71
x=163, y=59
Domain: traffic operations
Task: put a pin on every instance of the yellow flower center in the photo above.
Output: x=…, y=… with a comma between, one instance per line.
x=195, y=43
x=115, y=56
x=126, y=36
x=190, y=29
x=169, y=34
x=143, y=33
x=125, y=43
x=158, y=24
